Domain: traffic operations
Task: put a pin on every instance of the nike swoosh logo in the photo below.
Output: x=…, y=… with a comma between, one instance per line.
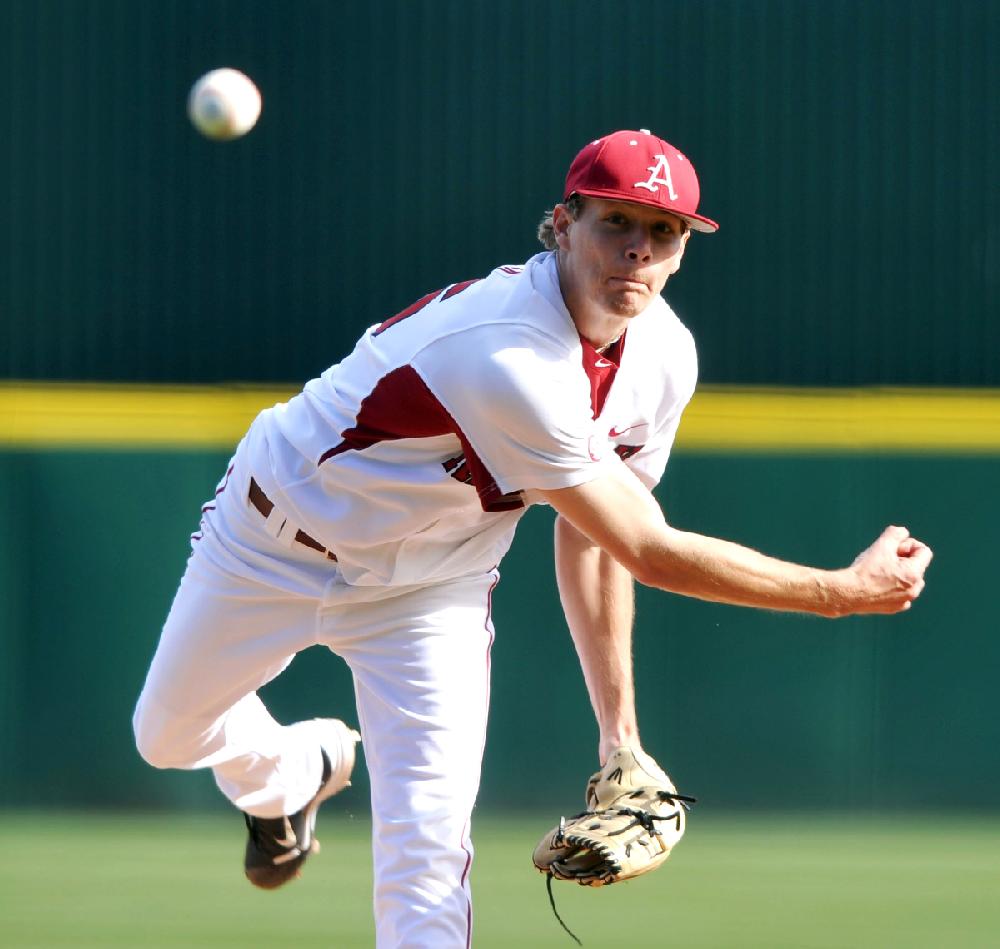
x=602, y=364
x=616, y=433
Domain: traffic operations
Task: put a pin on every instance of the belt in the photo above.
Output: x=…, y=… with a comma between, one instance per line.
x=265, y=505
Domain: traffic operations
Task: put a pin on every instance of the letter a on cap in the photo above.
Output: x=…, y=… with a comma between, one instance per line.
x=659, y=174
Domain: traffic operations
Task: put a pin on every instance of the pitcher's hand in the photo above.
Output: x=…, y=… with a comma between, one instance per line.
x=889, y=575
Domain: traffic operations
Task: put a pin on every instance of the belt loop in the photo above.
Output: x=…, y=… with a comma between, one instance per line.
x=280, y=528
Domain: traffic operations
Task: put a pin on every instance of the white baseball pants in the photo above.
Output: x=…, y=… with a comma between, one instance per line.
x=420, y=659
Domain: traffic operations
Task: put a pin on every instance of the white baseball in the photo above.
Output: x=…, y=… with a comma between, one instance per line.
x=224, y=104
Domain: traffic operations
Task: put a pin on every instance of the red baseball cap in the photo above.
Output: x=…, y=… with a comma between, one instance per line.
x=641, y=168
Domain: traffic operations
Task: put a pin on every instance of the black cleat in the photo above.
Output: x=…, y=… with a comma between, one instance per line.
x=278, y=846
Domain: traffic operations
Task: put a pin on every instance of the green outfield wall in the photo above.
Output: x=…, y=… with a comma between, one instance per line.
x=743, y=707
x=151, y=282
x=849, y=148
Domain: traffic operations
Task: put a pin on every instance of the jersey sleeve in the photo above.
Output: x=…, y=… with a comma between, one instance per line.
x=522, y=408
x=650, y=461
x=676, y=391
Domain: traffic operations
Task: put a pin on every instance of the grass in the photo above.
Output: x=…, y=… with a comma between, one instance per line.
x=80, y=881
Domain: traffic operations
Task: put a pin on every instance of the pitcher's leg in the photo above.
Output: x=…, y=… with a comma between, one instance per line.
x=421, y=669
x=224, y=638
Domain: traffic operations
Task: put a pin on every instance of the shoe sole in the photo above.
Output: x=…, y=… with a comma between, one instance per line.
x=346, y=738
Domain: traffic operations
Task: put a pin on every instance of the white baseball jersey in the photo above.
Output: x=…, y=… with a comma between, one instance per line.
x=409, y=457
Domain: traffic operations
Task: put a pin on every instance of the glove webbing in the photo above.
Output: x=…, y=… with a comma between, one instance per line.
x=643, y=818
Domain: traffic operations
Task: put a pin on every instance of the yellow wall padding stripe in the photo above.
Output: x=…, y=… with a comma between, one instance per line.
x=719, y=419
x=122, y=416
x=944, y=421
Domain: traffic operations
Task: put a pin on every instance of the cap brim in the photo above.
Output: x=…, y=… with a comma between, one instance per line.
x=696, y=222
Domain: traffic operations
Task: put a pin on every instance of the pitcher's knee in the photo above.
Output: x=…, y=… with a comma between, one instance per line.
x=160, y=742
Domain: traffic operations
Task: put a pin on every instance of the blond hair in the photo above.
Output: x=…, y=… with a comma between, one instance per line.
x=546, y=229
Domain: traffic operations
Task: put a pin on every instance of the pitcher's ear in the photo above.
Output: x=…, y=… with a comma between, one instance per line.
x=561, y=222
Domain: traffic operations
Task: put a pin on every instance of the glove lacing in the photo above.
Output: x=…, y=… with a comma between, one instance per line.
x=642, y=818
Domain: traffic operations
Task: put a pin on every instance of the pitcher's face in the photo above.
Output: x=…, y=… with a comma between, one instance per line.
x=617, y=256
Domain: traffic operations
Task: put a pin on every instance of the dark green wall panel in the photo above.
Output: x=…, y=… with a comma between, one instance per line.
x=871, y=712
x=744, y=708
x=15, y=626
x=849, y=148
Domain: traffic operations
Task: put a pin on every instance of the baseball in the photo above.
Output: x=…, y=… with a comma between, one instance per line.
x=224, y=104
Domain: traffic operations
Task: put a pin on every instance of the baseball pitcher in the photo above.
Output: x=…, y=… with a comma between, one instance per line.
x=370, y=512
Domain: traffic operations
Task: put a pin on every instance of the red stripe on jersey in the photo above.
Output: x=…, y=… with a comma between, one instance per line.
x=600, y=369
x=627, y=451
x=409, y=311
x=453, y=290
x=456, y=288
x=402, y=406
x=490, y=495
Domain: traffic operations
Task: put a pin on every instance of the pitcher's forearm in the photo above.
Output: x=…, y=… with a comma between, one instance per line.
x=598, y=602
x=721, y=571
x=617, y=514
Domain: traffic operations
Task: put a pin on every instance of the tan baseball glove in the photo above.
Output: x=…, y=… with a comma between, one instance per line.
x=634, y=818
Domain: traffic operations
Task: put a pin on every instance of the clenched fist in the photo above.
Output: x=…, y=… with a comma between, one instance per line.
x=888, y=576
